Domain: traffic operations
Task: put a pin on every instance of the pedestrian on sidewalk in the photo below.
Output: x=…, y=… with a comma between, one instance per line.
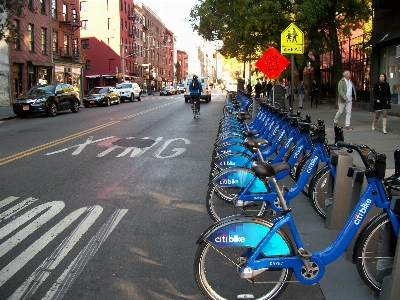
x=301, y=92
x=258, y=89
x=346, y=94
x=314, y=93
x=382, y=98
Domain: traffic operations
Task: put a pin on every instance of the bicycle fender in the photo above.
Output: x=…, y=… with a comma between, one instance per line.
x=231, y=147
x=230, y=160
x=245, y=231
x=240, y=177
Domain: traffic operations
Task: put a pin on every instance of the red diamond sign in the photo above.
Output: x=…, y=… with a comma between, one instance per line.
x=272, y=63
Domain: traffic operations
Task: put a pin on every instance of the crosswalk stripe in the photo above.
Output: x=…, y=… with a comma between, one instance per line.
x=13, y=210
x=54, y=208
x=28, y=288
x=7, y=201
x=15, y=265
x=63, y=283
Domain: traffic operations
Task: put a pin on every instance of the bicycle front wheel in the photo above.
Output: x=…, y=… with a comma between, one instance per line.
x=375, y=252
x=321, y=190
x=216, y=274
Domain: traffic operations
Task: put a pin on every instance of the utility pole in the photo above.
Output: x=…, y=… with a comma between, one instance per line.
x=123, y=62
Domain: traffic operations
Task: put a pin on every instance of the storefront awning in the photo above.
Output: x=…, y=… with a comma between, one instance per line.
x=384, y=37
x=92, y=76
x=35, y=63
x=109, y=76
x=159, y=78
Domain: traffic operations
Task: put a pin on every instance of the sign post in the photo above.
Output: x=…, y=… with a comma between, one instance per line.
x=292, y=42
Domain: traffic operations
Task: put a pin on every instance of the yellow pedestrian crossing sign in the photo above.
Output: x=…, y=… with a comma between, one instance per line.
x=292, y=40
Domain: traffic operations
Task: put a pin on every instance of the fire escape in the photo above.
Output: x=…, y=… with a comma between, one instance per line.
x=133, y=36
x=70, y=47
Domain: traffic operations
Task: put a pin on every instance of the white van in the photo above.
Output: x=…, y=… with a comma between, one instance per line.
x=231, y=86
x=205, y=95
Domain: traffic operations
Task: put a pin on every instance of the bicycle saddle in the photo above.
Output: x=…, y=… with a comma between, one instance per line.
x=264, y=170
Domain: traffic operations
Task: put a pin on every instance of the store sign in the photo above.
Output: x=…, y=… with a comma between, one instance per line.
x=59, y=69
x=76, y=70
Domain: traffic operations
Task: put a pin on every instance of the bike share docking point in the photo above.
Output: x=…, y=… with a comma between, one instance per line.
x=339, y=210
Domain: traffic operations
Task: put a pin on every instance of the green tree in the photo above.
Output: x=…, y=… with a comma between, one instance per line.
x=8, y=10
x=178, y=71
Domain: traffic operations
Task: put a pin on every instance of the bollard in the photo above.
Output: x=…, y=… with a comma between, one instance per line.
x=338, y=211
x=359, y=185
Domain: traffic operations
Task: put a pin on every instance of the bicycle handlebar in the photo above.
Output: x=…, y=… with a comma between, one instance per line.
x=368, y=157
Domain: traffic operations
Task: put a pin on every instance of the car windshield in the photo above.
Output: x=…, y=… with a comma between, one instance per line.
x=98, y=90
x=181, y=85
x=41, y=90
x=124, y=86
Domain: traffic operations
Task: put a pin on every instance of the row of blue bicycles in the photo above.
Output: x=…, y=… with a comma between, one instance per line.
x=246, y=253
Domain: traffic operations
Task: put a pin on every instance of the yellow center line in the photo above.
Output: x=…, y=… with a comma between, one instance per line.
x=8, y=159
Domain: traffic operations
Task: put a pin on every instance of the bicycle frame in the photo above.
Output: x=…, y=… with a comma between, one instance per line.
x=373, y=195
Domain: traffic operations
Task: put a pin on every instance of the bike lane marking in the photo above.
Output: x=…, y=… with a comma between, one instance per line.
x=8, y=159
x=64, y=282
x=35, y=280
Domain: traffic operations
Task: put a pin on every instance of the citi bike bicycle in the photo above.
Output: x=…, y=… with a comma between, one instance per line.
x=247, y=257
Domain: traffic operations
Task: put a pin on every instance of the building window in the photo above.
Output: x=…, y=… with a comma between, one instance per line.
x=31, y=38
x=84, y=6
x=120, y=5
x=65, y=12
x=85, y=25
x=87, y=65
x=55, y=42
x=122, y=24
x=74, y=13
x=85, y=44
x=44, y=40
x=30, y=4
x=54, y=9
x=66, y=44
x=17, y=41
x=43, y=6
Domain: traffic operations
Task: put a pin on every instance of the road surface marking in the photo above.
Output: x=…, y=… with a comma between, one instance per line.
x=13, y=210
x=64, y=282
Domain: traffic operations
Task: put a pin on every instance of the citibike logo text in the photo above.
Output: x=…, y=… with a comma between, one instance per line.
x=362, y=211
x=224, y=181
x=227, y=163
x=224, y=238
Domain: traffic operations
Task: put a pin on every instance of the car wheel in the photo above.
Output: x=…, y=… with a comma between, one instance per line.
x=132, y=98
x=52, y=110
x=138, y=98
x=75, y=106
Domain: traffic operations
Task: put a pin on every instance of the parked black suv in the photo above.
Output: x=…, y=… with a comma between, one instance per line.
x=47, y=99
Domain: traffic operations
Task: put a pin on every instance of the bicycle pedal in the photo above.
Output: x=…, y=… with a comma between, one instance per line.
x=304, y=254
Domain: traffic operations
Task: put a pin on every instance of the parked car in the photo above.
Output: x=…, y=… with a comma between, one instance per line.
x=47, y=99
x=129, y=91
x=168, y=90
x=181, y=88
x=105, y=96
x=205, y=95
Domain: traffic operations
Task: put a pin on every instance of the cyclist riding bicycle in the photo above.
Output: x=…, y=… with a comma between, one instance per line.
x=195, y=89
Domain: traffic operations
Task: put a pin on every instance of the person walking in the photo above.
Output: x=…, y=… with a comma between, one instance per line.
x=269, y=90
x=346, y=93
x=314, y=93
x=382, y=96
x=264, y=89
x=258, y=89
x=288, y=91
x=301, y=92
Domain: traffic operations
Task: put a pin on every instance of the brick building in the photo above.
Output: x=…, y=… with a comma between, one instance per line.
x=43, y=44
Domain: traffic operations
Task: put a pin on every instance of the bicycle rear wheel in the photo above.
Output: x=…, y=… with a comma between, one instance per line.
x=321, y=189
x=375, y=252
x=216, y=274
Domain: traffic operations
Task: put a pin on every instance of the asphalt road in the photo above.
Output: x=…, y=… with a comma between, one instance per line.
x=106, y=203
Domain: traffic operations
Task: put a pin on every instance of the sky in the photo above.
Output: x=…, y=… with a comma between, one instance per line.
x=174, y=14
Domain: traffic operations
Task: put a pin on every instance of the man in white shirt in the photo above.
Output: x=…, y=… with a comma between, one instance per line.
x=346, y=91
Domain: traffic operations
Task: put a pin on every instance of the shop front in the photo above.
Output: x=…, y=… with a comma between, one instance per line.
x=110, y=80
x=92, y=81
x=39, y=72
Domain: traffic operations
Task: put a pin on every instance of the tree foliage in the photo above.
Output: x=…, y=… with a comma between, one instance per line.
x=8, y=10
x=178, y=71
x=247, y=27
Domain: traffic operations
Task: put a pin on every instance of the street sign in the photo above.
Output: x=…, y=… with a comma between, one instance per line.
x=272, y=63
x=292, y=40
